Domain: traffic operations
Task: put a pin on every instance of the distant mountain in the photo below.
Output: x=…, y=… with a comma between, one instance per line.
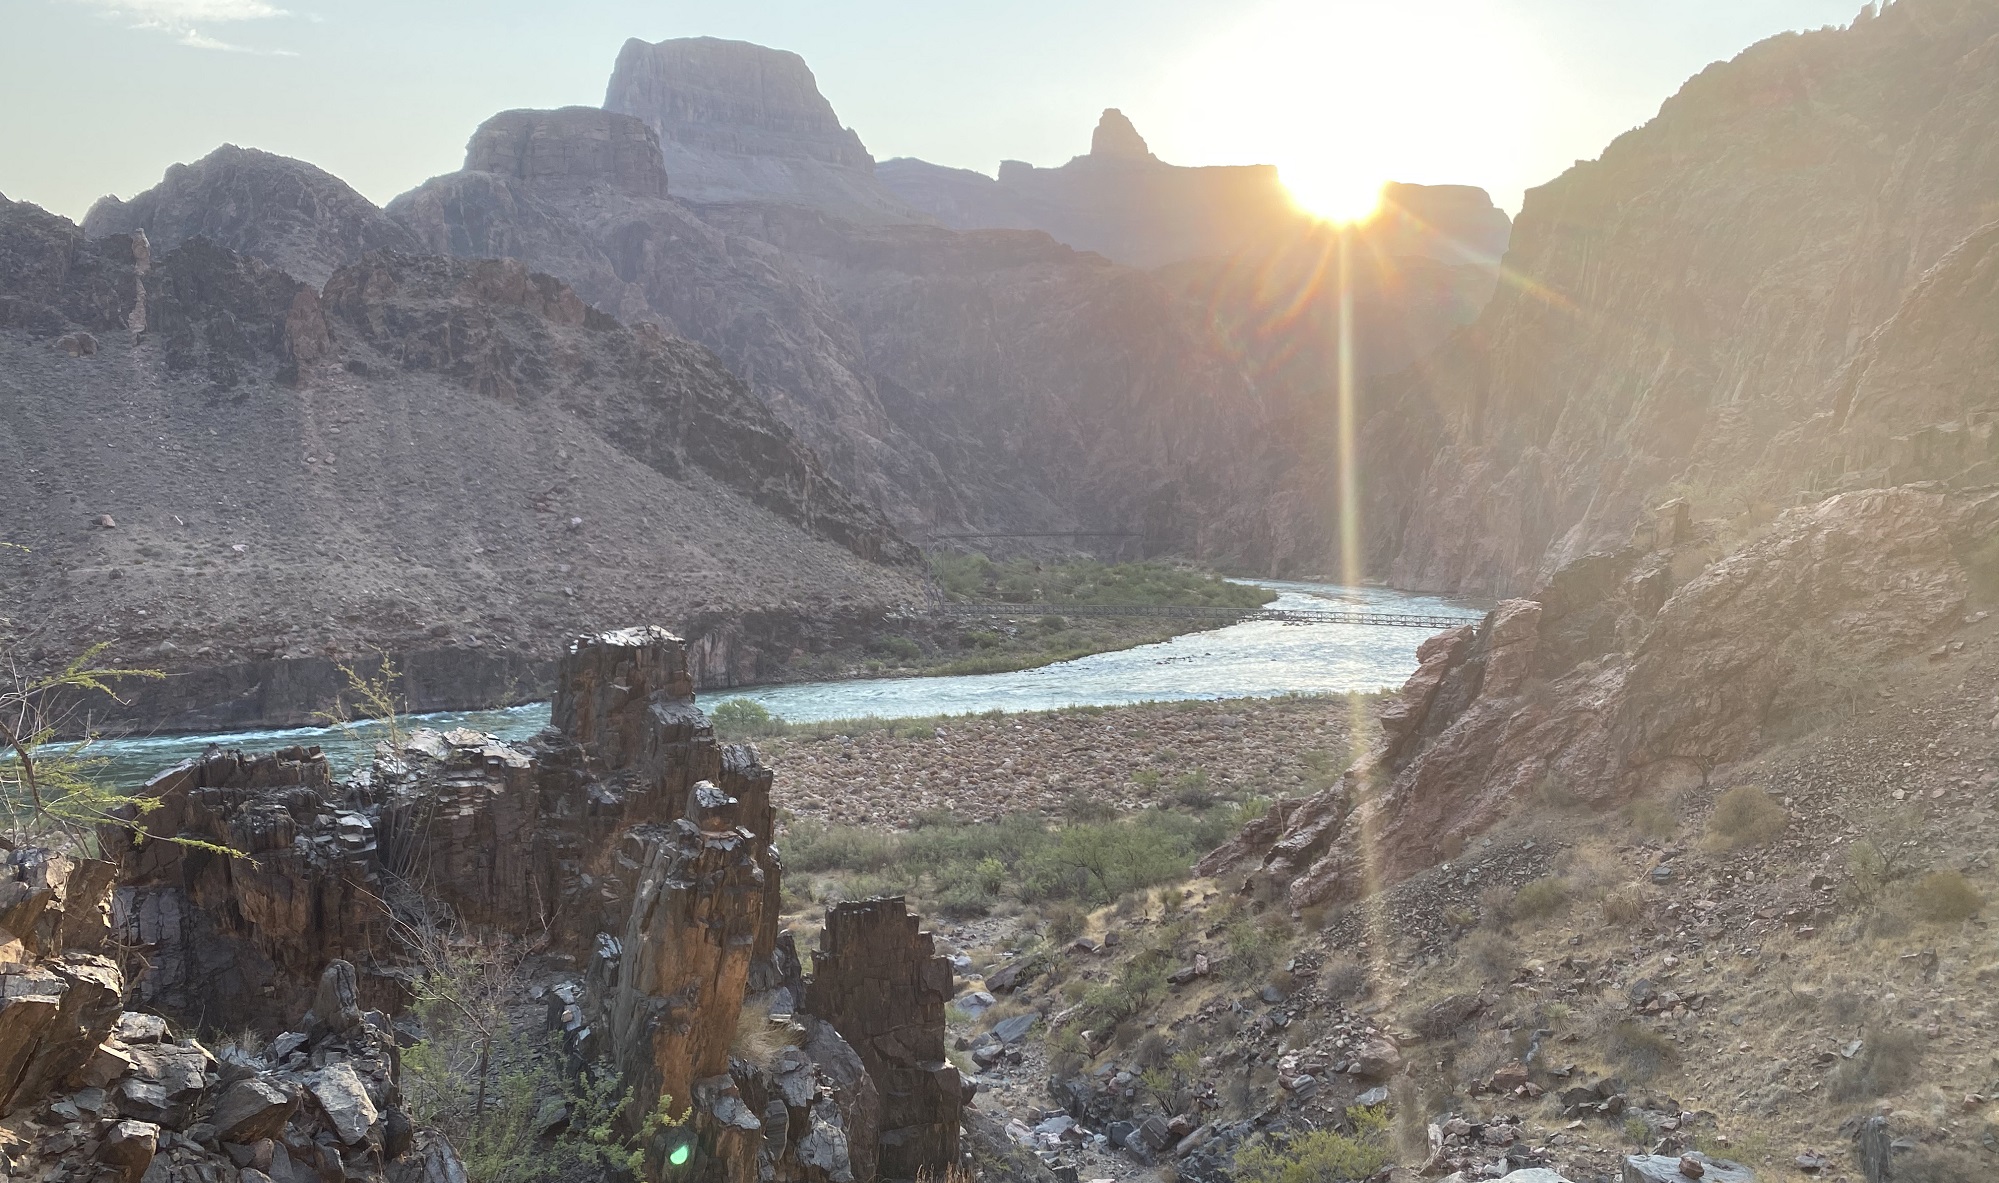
x=298, y=218
x=1126, y=204
x=739, y=122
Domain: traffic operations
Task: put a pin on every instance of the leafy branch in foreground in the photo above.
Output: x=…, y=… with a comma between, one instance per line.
x=45, y=784
x=375, y=700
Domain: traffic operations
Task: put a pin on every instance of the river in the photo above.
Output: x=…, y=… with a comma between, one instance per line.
x=1256, y=659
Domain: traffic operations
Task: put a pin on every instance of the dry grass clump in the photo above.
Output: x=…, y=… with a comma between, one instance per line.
x=1940, y=1164
x=1886, y=1063
x=1745, y=816
x=1342, y=977
x=1490, y=955
x=760, y=1039
x=1653, y=817
x=1539, y=898
x=1945, y=897
x=1624, y=906
x=1495, y=906
x=1640, y=1051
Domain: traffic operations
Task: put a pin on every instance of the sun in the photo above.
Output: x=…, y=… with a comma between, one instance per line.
x=1331, y=196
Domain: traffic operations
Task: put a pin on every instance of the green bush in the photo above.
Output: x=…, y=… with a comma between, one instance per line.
x=1745, y=816
x=740, y=718
x=1321, y=1156
x=1640, y=1051
x=1945, y=897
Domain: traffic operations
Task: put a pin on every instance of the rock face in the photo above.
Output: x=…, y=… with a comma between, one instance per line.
x=59, y=993
x=574, y=149
x=1705, y=339
x=879, y=982
x=739, y=122
x=625, y=837
x=572, y=470
x=1633, y=672
x=300, y=219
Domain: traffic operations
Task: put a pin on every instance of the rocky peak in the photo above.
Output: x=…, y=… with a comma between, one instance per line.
x=571, y=150
x=741, y=122
x=1116, y=138
x=290, y=214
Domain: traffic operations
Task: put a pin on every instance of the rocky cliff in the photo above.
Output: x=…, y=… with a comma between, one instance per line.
x=1692, y=296
x=187, y=490
x=739, y=122
x=1634, y=672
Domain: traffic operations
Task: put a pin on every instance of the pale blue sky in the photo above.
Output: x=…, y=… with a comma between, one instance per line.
x=102, y=95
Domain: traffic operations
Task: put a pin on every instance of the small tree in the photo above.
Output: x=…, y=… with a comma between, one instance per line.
x=46, y=785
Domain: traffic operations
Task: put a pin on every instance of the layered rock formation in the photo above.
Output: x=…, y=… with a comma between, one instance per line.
x=739, y=122
x=1685, y=305
x=1632, y=672
x=569, y=469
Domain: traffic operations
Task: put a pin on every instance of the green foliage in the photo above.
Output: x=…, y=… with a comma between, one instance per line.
x=1088, y=583
x=371, y=698
x=899, y=647
x=1745, y=816
x=1094, y=858
x=50, y=789
x=1322, y=1156
x=741, y=718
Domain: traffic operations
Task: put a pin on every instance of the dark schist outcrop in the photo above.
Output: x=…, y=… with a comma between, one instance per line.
x=249, y=434
x=626, y=836
x=1633, y=672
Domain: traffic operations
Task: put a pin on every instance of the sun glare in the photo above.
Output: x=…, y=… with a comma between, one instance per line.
x=1330, y=197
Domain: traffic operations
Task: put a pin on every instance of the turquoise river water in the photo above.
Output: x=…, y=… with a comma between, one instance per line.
x=1255, y=659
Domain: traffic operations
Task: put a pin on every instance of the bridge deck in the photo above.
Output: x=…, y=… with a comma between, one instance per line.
x=1435, y=622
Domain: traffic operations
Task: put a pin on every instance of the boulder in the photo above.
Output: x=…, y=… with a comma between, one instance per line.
x=345, y=1101
x=1662, y=1168
x=250, y=1110
x=129, y=1146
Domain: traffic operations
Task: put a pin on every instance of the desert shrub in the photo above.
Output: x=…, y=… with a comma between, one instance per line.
x=1145, y=778
x=1082, y=807
x=1152, y=1050
x=740, y=718
x=1254, y=944
x=1653, y=817
x=1640, y=1051
x=1945, y=897
x=1554, y=792
x=1065, y=923
x=1886, y=1063
x=1190, y=790
x=1940, y=1164
x=1745, y=816
x=1495, y=906
x=1342, y=977
x=1320, y=1156
x=1624, y=906
x=1490, y=955
x=1538, y=898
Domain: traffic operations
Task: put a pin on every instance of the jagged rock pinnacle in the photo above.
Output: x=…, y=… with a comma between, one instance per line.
x=1116, y=137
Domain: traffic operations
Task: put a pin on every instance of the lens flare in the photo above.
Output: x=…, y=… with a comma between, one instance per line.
x=1330, y=197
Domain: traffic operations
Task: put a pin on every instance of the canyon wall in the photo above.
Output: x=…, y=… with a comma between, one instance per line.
x=1679, y=311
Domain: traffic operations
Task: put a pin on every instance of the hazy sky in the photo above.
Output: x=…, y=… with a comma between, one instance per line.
x=102, y=95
